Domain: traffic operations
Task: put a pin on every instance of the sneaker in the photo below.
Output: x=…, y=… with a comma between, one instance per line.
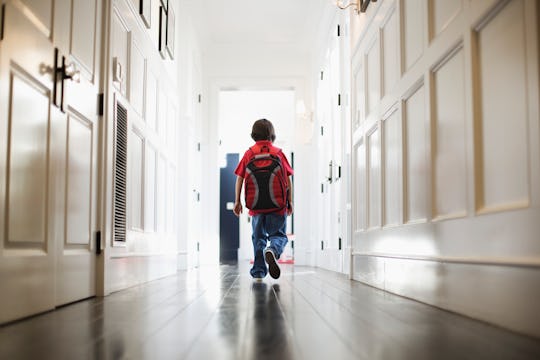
x=273, y=267
x=258, y=279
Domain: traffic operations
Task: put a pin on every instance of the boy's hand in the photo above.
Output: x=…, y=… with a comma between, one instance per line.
x=237, y=208
x=290, y=208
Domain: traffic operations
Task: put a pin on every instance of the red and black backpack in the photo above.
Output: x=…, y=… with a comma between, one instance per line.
x=265, y=185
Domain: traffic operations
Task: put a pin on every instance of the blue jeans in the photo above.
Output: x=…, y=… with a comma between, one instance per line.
x=267, y=227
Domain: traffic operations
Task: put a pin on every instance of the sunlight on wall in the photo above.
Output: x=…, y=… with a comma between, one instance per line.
x=238, y=109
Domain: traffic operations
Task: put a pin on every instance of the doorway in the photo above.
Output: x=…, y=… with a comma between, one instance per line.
x=238, y=109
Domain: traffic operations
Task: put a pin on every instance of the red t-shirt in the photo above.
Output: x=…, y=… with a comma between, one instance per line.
x=241, y=168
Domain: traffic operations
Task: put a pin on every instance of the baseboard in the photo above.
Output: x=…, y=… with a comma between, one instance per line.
x=502, y=295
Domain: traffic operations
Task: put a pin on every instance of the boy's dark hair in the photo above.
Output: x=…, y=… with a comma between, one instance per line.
x=263, y=130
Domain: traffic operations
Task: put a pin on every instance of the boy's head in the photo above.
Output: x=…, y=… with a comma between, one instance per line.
x=263, y=130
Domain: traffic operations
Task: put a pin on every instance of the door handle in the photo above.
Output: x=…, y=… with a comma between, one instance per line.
x=62, y=72
x=330, y=172
x=58, y=88
x=71, y=72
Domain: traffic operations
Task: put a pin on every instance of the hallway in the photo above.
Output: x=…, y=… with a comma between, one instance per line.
x=220, y=313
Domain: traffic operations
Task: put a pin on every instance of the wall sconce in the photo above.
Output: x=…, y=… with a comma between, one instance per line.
x=359, y=5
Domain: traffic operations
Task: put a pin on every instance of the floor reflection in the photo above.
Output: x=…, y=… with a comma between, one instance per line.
x=269, y=333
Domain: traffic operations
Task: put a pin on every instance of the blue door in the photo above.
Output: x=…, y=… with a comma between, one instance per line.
x=229, y=234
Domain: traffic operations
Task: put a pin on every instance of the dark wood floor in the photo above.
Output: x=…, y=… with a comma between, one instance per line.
x=220, y=313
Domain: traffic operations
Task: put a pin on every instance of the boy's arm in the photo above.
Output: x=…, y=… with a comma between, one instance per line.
x=237, y=191
x=290, y=207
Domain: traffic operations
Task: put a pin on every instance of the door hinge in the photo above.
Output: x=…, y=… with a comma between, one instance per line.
x=339, y=99
x=199, y=146
x=199, y=98
x=338, y=30
x=339, y=243
x=322, y=130
x=98, y=242
x=322, y=75
x=101, y=104
x=2, y=18
x=322, y=245
x=198, y=246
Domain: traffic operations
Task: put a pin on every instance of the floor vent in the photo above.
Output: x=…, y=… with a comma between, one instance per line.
x=120, y=173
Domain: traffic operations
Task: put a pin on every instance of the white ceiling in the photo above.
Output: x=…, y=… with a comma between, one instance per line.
x=248, y=23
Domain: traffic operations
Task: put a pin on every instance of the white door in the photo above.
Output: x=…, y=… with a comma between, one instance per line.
x=330, y=148
x=195, y=159
x=26, y=206
x=47, y=162
x=76, y=260
x=324, y=105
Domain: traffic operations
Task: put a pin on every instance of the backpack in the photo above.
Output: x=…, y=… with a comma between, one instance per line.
x=265, y=185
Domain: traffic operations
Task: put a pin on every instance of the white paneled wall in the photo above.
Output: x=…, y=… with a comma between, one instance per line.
x=145, y=83
x=445, y=146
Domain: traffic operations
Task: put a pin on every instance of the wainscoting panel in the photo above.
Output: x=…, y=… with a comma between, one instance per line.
x=161, y=193
x=151, y=98
x=412, y=24
x=136, y=182
x=119, y=51
x=150, y=165
x=416, y=133
x=374, y=178
x=448, y=137
x=501, y=122
x=390, y=52
x=441, y=13
x=392, y=170
x=373, y=77
x=360, y=96
x=360, y=188
x=137, y=78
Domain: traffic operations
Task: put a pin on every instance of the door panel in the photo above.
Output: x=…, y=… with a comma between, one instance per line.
x=79, y=184
x=27, y=162
x=39, y=12
x=83, y=34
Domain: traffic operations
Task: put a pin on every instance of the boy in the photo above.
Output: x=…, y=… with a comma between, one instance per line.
x=266, y=225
